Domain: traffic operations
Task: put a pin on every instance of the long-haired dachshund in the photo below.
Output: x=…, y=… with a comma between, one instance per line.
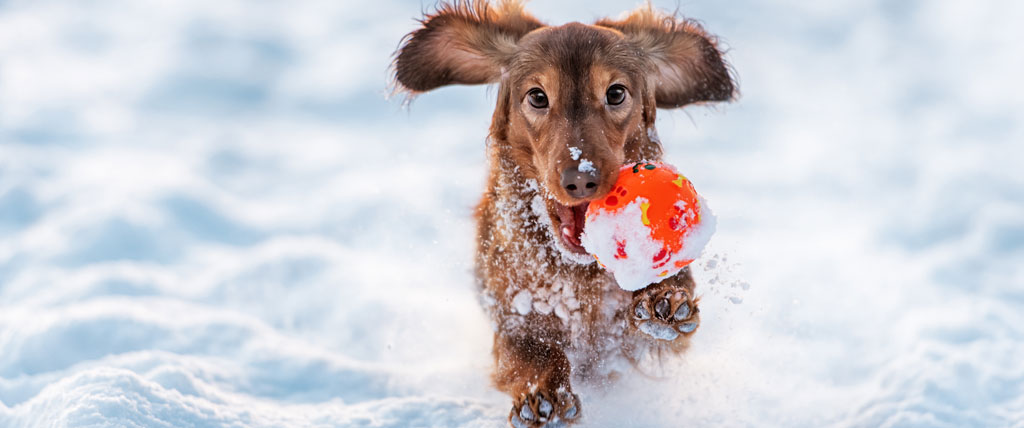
x=566, y=95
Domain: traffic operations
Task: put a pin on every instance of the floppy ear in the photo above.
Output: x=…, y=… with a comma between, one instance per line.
x=465, y=42
x=687, y=66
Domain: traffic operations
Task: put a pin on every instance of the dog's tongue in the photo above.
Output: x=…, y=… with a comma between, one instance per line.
x=573, y=219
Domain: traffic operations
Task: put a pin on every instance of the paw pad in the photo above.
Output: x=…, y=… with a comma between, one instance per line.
x=640, y=311
x=552, y=410
x=674, y=312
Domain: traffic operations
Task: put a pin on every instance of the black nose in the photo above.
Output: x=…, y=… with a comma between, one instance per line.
x=580, y=184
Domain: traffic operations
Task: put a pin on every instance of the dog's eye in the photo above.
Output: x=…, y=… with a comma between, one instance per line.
x=616, y=95
x=537, y=97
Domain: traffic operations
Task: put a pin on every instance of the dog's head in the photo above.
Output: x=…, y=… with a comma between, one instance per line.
x=575, y=101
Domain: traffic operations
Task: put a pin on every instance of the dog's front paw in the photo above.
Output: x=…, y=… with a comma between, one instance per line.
x=548, y=410
x=664, y=312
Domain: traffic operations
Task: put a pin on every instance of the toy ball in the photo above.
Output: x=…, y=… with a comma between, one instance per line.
x=649, y=227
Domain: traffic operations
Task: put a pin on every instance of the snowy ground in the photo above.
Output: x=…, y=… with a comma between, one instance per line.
x=209, y=216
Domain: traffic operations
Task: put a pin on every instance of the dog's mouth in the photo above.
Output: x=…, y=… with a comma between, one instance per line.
x=570, y=225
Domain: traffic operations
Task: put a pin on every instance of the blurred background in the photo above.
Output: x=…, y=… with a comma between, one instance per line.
x=211, y=215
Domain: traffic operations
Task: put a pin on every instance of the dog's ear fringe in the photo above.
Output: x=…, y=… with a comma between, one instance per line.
x=646, y=20
x=504, y=16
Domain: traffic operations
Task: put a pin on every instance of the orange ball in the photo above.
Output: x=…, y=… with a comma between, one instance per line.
x=649, y=226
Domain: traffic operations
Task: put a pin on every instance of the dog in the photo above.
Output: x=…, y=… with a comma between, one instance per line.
x=567, y=95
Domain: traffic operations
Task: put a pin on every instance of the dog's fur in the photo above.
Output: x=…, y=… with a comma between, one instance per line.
x=558, y=317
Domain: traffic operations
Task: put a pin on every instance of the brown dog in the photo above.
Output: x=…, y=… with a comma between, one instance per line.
x=574, y=103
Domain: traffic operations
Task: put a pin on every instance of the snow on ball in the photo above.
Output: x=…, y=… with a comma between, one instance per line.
x=650, y=226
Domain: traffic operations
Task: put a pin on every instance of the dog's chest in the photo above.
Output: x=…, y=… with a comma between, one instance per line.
x=539, y=279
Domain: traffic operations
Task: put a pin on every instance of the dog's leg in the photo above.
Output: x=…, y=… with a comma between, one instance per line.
x=535, y=372
x=667, y=309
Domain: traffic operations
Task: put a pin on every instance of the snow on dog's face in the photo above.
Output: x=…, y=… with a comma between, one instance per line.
x=572, y=107
x=575, y=101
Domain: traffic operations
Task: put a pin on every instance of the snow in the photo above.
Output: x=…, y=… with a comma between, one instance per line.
x=584, y=165
x=697, y=238
x=523, y=302
x=604, y=231
x=210, y=216
x=659, y=331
